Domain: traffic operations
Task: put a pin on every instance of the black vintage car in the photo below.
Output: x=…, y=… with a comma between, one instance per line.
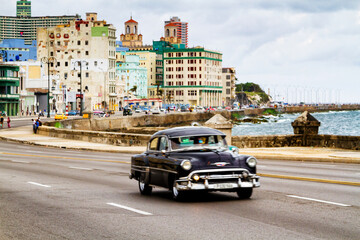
x=184, y=159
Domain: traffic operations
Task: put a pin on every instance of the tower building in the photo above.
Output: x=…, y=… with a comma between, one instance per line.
x=131, y=38
x=23, y=8
x=181, y=29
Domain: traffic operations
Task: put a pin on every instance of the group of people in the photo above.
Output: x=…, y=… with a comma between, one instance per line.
x=2, y=121
x=36, y=124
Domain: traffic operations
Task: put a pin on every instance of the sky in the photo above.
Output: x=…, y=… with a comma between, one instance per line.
x=296, y=50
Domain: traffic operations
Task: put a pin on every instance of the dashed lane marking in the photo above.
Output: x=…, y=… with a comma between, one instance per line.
x=81, y=168
x=317, y=200
x=39, y=184
x=18, y=161
x=130, y=209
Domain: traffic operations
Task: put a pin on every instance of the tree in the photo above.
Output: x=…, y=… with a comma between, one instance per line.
x=133, y=89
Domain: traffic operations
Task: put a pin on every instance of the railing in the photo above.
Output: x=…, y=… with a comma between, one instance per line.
x=9, y=95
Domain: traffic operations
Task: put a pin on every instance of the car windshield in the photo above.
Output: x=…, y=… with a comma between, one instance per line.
x=198, y=142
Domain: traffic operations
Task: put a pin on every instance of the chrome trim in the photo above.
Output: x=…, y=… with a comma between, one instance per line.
x=147, y=168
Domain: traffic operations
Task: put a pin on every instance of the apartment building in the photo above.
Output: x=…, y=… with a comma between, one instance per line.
x=24, y=26
x=228, y=82
x=82, y=64
x=193, y=76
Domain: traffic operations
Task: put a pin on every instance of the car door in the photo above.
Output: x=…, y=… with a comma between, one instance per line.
x=167, y=162
x=155, y=162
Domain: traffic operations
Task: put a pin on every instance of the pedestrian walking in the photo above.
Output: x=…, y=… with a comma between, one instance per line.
x=2, y=121
x=8, y=122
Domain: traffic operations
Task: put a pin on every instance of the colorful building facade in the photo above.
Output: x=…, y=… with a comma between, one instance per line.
x=9, y=89
x=134, y=76
x=12, y=50
x=84, y=66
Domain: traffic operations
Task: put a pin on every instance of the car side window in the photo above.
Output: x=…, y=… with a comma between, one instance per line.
x=163, y=144
x=154, y=144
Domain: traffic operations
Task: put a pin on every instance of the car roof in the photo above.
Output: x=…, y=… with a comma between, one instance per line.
x=188, y=131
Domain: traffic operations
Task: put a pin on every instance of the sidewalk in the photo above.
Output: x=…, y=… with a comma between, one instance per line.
x=25, y=135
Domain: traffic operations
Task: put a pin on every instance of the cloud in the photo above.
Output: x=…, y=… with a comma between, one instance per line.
x=303, y=43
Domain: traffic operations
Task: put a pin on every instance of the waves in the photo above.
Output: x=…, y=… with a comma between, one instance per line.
x=345, y=123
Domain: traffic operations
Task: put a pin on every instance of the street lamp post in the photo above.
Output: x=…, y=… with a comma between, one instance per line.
x=48, y=60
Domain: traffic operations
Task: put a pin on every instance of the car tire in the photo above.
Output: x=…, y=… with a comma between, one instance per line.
x=244, y=193
x=176, y=194
x=144, y=188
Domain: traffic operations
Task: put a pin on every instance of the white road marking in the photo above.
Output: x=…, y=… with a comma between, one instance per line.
x=16, y=161
x=38, y=184
x=130, y=209
x=80, y=168
x=317, y=200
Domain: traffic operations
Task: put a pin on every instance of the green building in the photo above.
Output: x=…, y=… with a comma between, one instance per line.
x=23, y=26
x=9, y=89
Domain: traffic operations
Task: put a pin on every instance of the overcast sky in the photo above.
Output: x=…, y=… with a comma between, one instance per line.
x=309, y=45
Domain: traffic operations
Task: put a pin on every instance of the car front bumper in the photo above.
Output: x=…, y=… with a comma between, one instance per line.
x=218, y=180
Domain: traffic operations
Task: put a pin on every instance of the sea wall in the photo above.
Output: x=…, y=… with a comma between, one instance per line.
x=119, y=139
x=298, y=140
x=128, y=122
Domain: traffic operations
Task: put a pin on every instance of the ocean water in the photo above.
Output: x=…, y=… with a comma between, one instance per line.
x=345, y=123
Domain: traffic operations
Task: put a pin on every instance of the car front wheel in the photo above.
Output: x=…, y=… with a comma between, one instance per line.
x=144, y=188
x=244, y=193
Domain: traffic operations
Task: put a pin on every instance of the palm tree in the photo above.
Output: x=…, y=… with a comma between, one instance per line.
x=133, y=89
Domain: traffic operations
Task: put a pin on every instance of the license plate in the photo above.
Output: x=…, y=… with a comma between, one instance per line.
x=223, y=185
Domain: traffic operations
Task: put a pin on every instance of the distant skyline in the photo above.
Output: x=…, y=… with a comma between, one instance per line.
x=283, y=45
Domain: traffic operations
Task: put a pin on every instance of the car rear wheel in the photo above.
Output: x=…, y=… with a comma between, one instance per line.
x=176, y=194
x=244, y=193
x=144, y=188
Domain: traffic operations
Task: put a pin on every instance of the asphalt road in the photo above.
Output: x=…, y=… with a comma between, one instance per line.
x=50, y=193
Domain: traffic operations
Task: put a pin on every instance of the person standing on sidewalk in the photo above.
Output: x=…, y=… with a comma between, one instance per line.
x=2, y=121
x=8, y=122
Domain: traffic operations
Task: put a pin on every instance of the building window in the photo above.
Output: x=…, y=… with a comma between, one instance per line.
x=58, y=64
x=79, y=42
x=228, y=77
x=228, y=84
x=86, y=53
x=86, y=42
x=65, y=75
x=87, y=74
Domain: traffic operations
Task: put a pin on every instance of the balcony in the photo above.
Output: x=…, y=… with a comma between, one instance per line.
x=8, y=96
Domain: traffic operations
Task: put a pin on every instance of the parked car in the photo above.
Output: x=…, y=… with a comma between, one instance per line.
x=73, y=113
x=138, y=110
x=155, y=111
x=184, y=159
x=60, y=116
x=127, y=111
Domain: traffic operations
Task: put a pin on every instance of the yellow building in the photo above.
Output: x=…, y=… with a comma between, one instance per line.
x=131, y=38
x=228, y=82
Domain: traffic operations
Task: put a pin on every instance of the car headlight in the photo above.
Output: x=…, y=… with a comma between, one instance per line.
x=186, y=165
x=251, y=162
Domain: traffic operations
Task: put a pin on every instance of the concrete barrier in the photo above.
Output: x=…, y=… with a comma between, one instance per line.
x=119, y=139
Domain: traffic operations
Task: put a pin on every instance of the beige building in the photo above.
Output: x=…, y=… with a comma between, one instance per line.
x=193, y=76
x=83, y=56
x=228, y=82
